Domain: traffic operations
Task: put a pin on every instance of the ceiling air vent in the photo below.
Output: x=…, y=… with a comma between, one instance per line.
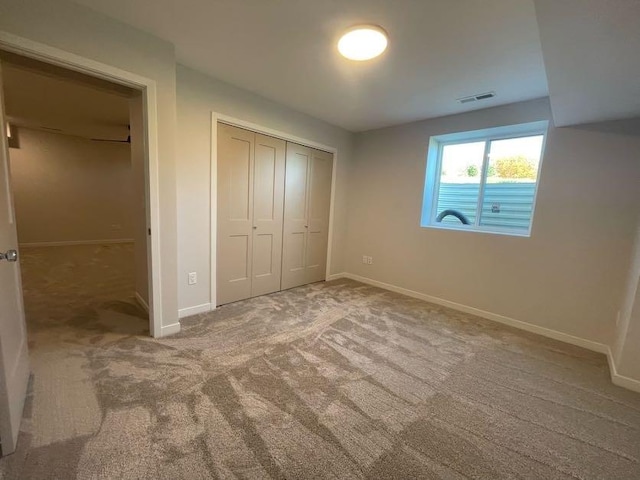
x=475, y=98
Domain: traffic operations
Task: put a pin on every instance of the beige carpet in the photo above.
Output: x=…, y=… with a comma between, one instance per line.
x=335, y=380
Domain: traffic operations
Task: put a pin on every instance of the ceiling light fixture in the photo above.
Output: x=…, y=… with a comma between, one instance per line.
x=363, y=42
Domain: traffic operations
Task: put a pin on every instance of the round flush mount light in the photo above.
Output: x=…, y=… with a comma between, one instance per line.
x=363, y=42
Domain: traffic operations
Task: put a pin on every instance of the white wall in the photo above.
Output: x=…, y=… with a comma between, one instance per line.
x=568, y=276
x=81, y=31
x=198, y=96
x=70, y=189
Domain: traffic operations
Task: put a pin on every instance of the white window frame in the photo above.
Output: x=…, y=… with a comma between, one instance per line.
x=487, y=135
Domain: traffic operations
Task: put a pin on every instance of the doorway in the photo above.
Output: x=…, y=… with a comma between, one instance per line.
x=14, y=362
x=77, y=177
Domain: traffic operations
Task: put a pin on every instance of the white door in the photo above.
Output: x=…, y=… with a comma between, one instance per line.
x=306, y=215
x=320, y=169
x=235, y=213
x=295, y=216
x=268, y=198
x=14, y=359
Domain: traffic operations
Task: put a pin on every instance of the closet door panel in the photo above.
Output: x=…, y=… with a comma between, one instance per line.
x=268, y=201
x=320, y=171
x=296, y=251
x=295, y=216
x=262, y=260
x=235, y=213
x=237, y=251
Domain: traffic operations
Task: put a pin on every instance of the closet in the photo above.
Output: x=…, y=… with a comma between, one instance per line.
x=273, y=214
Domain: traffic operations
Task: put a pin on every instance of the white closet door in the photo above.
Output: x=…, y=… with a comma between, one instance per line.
x=306, y=215
x=295, y=216
x=268, y=199
x=235, y=213
x=320, y=169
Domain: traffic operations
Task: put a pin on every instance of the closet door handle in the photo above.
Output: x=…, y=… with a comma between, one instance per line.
x=306, y=226
x=255, y=228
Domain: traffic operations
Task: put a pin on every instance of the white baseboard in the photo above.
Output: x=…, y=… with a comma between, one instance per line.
x=141, y=301
x=620, y=380
x=336, y=276
x=616, y=378
x=172, y=329
x=529, y=327
x=187, y=312
x=77, y=242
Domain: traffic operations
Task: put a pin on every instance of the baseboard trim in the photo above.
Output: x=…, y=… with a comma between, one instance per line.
x=195, y=310
x=141, y=302
x=77, y=242
x=617, y=379
x=172, y=329
x=620, y=380
x=529, y=327
x=336, y=276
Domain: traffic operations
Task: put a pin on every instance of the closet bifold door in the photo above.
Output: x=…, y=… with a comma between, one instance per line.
x=306, y=215
x=236, y=149
x=250, y=210
x=318, y=209
x=268, y=199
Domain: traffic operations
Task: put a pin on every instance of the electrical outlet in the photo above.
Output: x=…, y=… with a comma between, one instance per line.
x=364, y=259
x=193, y=278
x=369, y=260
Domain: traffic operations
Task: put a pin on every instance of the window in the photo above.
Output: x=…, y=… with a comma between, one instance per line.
x=484, y=180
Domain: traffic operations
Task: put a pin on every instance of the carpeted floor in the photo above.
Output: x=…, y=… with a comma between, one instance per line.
x=331, y=380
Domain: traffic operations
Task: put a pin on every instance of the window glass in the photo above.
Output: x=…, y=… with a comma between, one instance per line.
x=485, y=180
x=510, y=185
x=460, y=174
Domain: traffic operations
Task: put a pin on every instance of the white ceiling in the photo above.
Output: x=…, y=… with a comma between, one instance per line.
x=47, y=98
x=284, y=50
x=592, y=56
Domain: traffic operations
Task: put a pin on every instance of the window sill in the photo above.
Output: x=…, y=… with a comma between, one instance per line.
x=509, y=233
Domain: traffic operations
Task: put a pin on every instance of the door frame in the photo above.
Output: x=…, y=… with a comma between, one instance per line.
x=55, y=56
x=236, y=122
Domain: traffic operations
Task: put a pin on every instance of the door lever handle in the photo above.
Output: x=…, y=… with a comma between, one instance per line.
x=9, y=256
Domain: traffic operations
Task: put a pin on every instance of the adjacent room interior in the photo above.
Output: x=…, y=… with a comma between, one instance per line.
x=78, y=196
x=320, y=239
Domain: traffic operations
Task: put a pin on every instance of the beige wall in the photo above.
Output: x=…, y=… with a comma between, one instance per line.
x=81, y=31
x=568, y=276
x=70, y=189
x=198, y=96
